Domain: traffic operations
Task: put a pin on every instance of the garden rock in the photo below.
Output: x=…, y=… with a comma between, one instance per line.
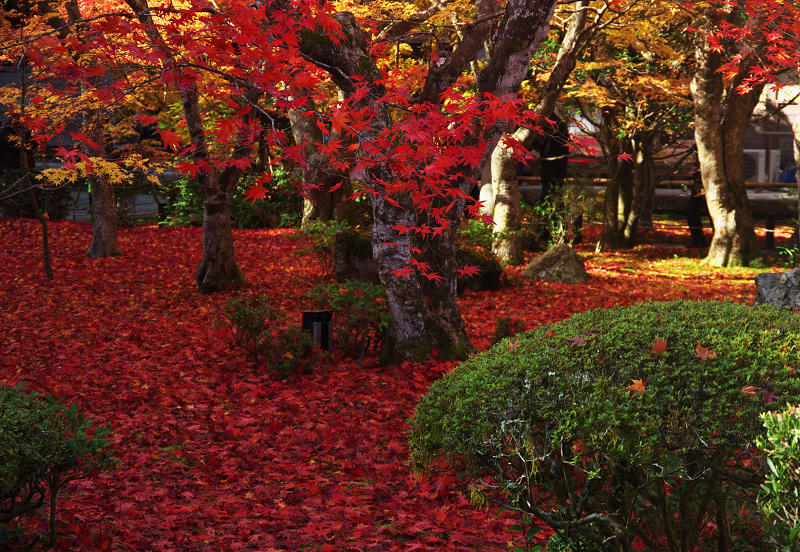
x=487, y=278
x=779, y=289
x=353, y=257
x=559, y=264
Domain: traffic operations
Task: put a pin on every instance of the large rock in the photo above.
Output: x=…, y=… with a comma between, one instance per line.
x=560, y=264
x=779, y=289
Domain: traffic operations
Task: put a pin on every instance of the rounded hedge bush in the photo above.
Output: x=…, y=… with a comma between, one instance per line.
x=622, y=429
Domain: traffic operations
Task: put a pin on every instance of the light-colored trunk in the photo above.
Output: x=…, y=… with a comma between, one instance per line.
x=507, y=209
x=507, y=216
x=720, y=142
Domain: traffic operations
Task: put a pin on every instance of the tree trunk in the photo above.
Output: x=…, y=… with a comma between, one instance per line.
x=720, y=142
x=104, y=219
x=322, y=201
x=218, y=269
x=639, y=174
x=507, y=210
x=796, y=150
x=507, y=216
x=425, y=318
x=609, y=240
x=104, y=201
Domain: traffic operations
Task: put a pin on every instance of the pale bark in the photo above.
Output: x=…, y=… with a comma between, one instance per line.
x=719, y=134
x=504, y=189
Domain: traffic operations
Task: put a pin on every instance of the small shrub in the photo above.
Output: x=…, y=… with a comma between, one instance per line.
x=476, y=235
x=507, y=327
x=261, y=330
x=554, y=220
x=43, y=446
x=780, y=494
x=630, y=428
x=361, y=315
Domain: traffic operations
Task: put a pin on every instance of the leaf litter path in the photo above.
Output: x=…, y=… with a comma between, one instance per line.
x=216, y=456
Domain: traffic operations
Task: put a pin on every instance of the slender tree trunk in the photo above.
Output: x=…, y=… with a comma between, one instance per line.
x=720, y=142
x=507, y=211
x=609, y=240
x=638, y=193
x=104, y=201
x=796, y=150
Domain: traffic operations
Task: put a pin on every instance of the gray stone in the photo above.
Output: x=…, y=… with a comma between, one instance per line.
x=560, y=264
x=779, y=289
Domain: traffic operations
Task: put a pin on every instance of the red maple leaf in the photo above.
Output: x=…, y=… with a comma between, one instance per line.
x=402, y=273
x=468, y=270
x=750, y=390
x=576, y=341
x=659, y=346
x=256, y=191
x=705, y=354
x=171, y=139
x=636, y=387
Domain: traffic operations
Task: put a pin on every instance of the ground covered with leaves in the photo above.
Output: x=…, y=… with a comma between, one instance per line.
x=217, y=455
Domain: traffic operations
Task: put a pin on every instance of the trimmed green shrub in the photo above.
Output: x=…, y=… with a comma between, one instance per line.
x=780, y=494
x=261, y=330
x=622, y=429
x=43, y=446
x=361, y=314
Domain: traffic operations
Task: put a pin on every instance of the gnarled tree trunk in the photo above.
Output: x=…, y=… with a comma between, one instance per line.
x=426, y=318
x=507, y=210
x=719, y=134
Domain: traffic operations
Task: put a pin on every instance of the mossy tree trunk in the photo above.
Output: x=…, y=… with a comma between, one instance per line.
x=722, y=115
x=426, y=317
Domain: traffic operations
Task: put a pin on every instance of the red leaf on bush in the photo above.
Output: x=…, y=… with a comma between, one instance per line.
x=636, y=387
x=576, y=341
x=750, y=390
x=659, y=346
x=705, y=354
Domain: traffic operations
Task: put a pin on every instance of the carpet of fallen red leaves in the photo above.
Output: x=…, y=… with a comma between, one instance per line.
x=214, y=455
